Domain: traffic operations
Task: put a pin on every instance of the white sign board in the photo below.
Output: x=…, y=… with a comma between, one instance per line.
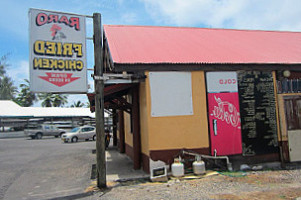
x=171, y=94
x=218, y=82
x=57, y=52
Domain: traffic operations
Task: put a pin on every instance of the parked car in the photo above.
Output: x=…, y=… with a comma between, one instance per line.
x=43, y=130
x=80, y=133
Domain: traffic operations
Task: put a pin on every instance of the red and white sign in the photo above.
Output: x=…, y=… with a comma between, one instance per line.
x=57, y=52
x=221, y=82
x=224, y=121
x=224, y=115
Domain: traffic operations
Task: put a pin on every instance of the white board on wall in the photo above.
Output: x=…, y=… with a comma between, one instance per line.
x=171, y=94
x=218, y=82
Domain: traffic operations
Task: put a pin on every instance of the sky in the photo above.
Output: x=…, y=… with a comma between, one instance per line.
x=278, y=15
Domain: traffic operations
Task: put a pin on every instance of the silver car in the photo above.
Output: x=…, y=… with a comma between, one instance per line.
x=80, y=133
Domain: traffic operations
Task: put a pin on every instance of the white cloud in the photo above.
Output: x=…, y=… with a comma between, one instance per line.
x=238, y=14
x=18, y=72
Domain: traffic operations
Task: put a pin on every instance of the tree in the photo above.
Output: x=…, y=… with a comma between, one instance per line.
x=25, y=97
x=52, y=100
x=77, y=104
x=59, y=100
x=7, y=88
x=46, y=99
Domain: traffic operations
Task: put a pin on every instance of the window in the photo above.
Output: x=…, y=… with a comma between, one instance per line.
x=293, y=112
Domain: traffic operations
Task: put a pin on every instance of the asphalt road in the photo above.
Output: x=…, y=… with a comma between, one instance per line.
x=44, y=169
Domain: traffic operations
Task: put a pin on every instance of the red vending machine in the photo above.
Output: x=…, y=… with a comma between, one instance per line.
x=224, y=115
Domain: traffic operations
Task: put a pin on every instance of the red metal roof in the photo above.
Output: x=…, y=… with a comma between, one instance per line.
x=151, y=44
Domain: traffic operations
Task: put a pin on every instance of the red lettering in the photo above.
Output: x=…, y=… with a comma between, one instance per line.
x=227, y=81
x=74, y=21
x=41, y=19
x=64, y=20
x=53, y=18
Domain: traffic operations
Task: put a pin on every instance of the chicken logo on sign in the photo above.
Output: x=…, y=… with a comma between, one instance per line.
x=56, y=32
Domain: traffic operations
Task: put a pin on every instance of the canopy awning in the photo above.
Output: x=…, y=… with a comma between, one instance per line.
x=114, y=97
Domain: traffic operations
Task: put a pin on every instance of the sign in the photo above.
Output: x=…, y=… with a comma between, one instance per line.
x=224, y=123
x=221, y=82
x=258, y=113
x=224, y=115
x=57, y=52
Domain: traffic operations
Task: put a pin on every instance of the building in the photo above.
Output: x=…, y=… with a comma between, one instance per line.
x=16, y=117
x=217, y=92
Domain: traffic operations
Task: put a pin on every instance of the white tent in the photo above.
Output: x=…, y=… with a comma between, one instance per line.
x=9, y=109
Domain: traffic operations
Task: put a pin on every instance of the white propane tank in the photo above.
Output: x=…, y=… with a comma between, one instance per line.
x=198, y=166
x=177, y=168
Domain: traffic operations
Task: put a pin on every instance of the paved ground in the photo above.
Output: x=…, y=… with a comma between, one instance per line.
x=50, y=169
x=44, y=169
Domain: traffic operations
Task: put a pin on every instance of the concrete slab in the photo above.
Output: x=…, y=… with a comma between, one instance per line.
x=120, y=167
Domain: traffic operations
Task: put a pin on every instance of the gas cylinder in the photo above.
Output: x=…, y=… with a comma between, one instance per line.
x=177, y=168
x=198, y=166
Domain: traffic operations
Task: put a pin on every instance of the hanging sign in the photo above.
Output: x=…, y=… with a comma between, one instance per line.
x=57, y=52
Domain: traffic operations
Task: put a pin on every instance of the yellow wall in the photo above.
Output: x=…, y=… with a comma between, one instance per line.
x=144, y=118
x=175, y=132
x=127, y=129
x=190, y=131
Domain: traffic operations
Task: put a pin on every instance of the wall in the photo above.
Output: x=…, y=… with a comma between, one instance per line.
x=177, y=132
x=144, y=128
x=128, y=135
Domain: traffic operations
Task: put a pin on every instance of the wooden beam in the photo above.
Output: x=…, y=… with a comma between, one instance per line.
x=136, y=129
x=114, y=127
x=99, y=103
x=121, y=132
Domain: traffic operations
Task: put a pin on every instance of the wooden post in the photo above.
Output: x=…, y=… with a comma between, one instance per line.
x=99, y=104
x=121, y=132
x=114, y=128
x=136, y=129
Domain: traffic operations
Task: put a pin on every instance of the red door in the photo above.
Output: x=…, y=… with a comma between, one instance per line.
x=224, y=120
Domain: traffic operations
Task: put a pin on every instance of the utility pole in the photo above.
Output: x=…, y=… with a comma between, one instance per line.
x=99, y=102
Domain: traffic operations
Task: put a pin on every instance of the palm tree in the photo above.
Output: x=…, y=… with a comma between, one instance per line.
x=77, y=104
x=26, y=98
x=46, y=99
x=7, y=88
x=2, y=65
x=59, y=100
x=53, y=100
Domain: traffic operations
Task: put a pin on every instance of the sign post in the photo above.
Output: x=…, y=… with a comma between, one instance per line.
x=58, y=64
x=99, y=103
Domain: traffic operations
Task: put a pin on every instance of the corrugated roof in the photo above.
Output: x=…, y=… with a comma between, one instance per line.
x=11, y=109
x=151, y=44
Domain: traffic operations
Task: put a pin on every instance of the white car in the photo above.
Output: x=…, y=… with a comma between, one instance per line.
x=80, y=133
